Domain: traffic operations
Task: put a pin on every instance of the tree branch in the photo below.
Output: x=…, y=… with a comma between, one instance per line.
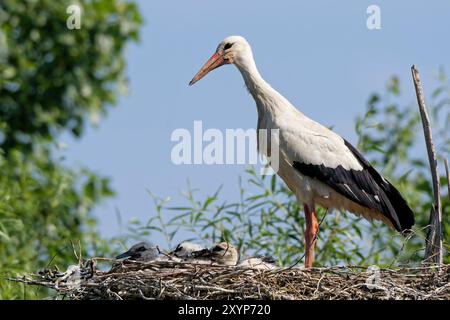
x=433, y=250
x=448, y=176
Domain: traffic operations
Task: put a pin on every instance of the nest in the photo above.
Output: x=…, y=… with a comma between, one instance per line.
x=170, y=280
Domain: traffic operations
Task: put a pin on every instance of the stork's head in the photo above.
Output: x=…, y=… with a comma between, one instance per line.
x=185, y=249
x=232, y=50
x=226, y=253
x=140, y=251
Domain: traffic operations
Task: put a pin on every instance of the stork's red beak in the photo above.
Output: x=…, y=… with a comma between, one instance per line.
x=214, y=62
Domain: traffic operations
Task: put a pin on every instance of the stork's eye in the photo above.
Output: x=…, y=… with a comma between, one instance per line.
x=227, y=46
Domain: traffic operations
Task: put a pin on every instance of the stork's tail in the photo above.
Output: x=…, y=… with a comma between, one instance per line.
x=404, y=214
x=398, y=211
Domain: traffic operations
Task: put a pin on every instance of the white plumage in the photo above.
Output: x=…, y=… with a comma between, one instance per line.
x=185, y=249
x=257, y=263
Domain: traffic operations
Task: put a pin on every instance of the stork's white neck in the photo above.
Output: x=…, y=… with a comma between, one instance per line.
x=267, y=98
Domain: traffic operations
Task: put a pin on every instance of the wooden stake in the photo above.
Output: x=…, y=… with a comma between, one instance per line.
x=433, y=249
x=448, y=176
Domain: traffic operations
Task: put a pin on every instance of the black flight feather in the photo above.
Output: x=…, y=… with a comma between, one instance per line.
x=365, y=187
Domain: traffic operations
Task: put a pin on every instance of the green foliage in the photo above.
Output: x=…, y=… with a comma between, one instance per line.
x=53, y=78
x=269, y=221
x=43, y=207
x=399, y=150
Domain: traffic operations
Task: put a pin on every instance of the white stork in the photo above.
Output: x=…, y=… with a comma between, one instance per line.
x=318, y=166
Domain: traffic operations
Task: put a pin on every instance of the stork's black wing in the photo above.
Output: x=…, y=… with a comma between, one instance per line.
x=365, y=187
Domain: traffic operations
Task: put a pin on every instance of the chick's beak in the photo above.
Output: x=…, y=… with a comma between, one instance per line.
x=124, y=255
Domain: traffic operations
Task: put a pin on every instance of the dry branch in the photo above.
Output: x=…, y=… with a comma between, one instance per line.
x=433, y=249
x=448, y=177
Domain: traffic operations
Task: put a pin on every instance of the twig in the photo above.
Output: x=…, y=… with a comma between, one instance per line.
x=433, y=250
x=115, y=294
x=143, y=296
x=448, y=176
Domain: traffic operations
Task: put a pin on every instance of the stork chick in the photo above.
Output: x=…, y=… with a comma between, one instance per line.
x=141, y=251
x=222, y=253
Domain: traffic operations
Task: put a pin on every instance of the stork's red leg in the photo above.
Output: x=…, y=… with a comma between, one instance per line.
x=312, y=226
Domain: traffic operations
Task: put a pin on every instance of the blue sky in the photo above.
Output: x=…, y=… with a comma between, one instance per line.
x=319, y=54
